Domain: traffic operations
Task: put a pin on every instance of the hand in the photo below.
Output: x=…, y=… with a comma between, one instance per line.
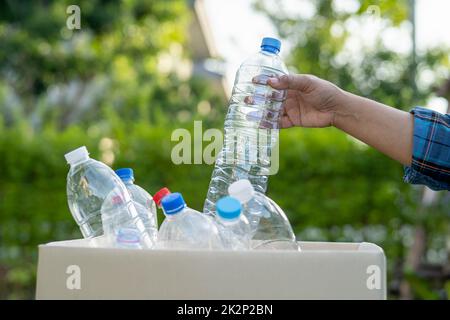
x=311, y=101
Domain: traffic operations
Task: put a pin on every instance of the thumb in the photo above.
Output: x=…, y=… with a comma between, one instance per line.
x=301, y=82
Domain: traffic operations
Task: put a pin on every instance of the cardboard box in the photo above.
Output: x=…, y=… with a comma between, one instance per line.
x=76, y=270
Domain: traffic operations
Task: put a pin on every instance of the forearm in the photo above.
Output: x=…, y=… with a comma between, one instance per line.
x=387, y=129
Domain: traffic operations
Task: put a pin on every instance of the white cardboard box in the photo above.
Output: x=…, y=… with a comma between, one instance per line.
x=73, y=270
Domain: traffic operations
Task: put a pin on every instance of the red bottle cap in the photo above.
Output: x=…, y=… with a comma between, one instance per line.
x=160, y=195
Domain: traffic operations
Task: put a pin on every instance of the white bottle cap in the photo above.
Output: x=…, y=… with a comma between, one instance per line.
x=241, y=190
x=77, y=155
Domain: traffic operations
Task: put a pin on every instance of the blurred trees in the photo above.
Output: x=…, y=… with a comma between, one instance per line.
x=127, y=55
x=124, y=81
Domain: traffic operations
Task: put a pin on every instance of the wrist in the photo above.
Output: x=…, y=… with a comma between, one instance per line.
x=341, y=108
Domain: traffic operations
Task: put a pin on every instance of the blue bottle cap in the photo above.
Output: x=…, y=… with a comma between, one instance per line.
x=228, y=208
x=173, y=203
x=271, y=45
x=125, y=174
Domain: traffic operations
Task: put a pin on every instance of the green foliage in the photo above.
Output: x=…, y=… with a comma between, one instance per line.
x=117, y=63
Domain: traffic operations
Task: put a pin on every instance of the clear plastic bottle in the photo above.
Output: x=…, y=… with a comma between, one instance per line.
x=143, y=201
x=118, y=212
x=269, y=226
x=185, y=228
x=88, y=184
x=233, y=225
x=251, y=125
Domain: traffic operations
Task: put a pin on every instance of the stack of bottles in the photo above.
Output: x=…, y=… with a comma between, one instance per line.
x=237, y=213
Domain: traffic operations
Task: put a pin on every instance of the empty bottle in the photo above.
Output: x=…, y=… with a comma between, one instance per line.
x=142, y=200
x=269, y=226
x=88, y=184
x=251, y=125
x=233, y=225
x=185, y=228
x=118, y=213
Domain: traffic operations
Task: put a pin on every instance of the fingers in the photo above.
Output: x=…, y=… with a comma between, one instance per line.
x=248, y=100
x=262, y=78
x=301, y=82
x=274, y=95
x=290, y=113
x=285, y=122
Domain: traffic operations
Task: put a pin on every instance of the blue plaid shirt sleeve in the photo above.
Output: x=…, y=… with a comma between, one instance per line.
x=431, y=150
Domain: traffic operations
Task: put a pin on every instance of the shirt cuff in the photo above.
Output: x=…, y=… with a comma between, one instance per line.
x=413, y=176
x=417, y=173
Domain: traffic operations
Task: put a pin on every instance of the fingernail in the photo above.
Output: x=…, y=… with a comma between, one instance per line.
x=274, y=80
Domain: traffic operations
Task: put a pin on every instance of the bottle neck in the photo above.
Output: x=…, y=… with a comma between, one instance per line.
x=81, y=161
x=269, y=53
x=229, y=222
x=173, y=216
x=128, y=182
x=245, y=201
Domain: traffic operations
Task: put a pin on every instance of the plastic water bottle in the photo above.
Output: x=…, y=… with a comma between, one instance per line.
x=143, y=201
x=233, y=225
x=251, y=125
x=128, y=238
x=159, y=195
x=269, y=226
x=185, y=228
x=88, y=184
x=118, y=213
